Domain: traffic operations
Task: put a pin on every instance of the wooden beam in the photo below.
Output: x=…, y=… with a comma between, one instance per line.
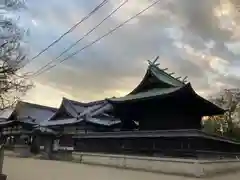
x=178, y=77
x=171, y=73
x=164, y=69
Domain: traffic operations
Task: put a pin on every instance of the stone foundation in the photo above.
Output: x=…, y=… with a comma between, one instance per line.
x=63, y=155
x=185, y=167
x=22, y=150
x=3, y=177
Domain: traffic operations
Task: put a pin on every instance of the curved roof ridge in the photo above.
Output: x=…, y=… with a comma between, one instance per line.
x=60, y=108
x=23, y=110
x=160, y=75
x=155, y=64
x=69, y=107
x=74, y=108
x=175, y=82
x=84, y=103
x=37, y=105
x=150, y=93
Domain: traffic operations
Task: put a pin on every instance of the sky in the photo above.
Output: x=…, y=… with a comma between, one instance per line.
x=198, y=39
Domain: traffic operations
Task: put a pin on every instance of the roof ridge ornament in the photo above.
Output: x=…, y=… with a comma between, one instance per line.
x=156, y=64
x=185, y=79
x=153, y=63
x=155, y=60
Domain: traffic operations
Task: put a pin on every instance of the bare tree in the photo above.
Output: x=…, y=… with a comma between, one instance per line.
x=13, y=83
x=229, y=123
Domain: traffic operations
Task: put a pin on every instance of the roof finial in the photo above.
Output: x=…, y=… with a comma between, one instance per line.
x=185, y=79
x=150, y=62
x=155, y=60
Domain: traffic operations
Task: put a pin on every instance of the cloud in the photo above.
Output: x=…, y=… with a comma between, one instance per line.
x=46, y=95
x=190, y=36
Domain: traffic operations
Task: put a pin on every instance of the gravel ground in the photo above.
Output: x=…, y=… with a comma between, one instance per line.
x=29, y=169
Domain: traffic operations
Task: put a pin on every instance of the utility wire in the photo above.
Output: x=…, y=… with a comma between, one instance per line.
x=98, y=39
x=76, y=42
x=71, y=29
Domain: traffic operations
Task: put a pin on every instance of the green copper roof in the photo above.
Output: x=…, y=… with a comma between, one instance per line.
x=165, y=84
x=164, y=79
x=148, y=94
x=205, y=107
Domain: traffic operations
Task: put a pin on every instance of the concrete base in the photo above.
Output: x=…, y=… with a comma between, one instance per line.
x=63, y=155
x=43, y=155
x=184, y=167
x=22, y=150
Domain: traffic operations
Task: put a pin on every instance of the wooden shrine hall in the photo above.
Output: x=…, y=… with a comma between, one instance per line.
x=169, y=114
x=161, y=116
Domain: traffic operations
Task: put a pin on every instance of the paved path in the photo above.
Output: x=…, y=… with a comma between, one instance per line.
x=29, y=169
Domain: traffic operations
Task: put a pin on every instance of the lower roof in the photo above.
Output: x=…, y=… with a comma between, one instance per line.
x=96, y=121
x=160, y=133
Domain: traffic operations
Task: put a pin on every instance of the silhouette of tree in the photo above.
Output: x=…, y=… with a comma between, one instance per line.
x=13, y=83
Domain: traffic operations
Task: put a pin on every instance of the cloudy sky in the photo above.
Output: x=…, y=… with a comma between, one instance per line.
x=198, y=39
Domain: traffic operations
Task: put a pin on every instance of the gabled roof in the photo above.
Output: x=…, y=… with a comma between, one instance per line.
x=6, y=113
x=99, y=121
x=157, y=78
x=72, y=109
x=36, y=113
x=71, y=112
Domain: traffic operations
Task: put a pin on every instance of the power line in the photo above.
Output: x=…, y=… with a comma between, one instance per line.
x=98, y=39
x=85, y=35
x=71, y=29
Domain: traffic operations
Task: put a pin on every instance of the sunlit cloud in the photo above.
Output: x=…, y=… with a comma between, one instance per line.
x=228, y=16
x=198, y=39
x=34, y=22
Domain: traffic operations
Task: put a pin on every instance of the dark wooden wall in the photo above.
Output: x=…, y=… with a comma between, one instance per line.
x=158, y=146
x=169, y=120
x=160, y=114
